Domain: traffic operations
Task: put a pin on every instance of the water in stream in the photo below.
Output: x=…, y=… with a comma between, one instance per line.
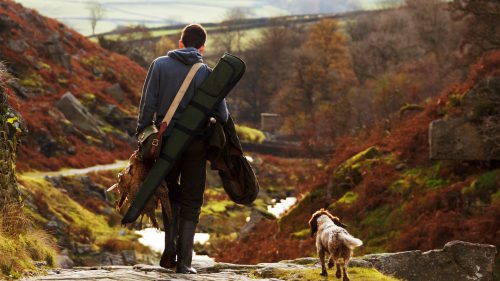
x=155, y=239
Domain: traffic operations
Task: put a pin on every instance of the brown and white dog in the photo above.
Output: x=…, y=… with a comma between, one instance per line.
x=332, y=238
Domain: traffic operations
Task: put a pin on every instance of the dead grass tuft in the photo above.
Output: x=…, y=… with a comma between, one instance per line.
x=21, y=244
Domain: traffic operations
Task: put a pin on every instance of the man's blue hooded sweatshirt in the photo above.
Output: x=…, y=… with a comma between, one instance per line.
x=165, y=76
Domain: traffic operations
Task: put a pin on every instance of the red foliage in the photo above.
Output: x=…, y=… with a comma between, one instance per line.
x=264, y=244
x=429, y=218
x=38, y=111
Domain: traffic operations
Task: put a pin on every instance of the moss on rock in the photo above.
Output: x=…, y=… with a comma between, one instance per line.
x=313, y=274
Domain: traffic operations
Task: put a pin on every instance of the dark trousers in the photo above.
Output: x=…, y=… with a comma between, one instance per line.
x=186, y=182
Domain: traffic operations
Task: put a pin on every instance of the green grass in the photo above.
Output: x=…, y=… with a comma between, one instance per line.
x=485, y=187
x=221, y=215
x=82, y=221
x=421, y=178
x=22, y=244
x=313, y=274
x=302, y=234
x=348, y=198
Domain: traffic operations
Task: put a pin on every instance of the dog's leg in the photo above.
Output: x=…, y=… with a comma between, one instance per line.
x=331, y=262
x=338, y=274
x=321, y=254
x=346, y=276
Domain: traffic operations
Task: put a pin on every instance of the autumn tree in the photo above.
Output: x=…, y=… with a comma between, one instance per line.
x=321, y=75
x=164, y=44
x=434, y=29
x=267, y=71
x=482, y=18
x=381, y=42
x=97, y=12
x=403, y=55
x=230, y=38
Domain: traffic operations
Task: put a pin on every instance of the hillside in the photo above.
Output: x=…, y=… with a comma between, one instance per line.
x=49, y=59
x=383, y=185
x=78, y=102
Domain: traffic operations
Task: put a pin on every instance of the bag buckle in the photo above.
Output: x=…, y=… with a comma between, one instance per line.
x=155, y=142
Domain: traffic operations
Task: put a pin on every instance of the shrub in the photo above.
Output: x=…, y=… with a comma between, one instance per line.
x=250, y=134
x=483, y=187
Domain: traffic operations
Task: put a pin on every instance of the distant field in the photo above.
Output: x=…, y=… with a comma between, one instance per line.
x=164, y=12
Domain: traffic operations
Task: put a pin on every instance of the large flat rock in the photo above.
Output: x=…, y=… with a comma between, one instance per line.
x=459, y=139
x=456, y=261
x=75, y=112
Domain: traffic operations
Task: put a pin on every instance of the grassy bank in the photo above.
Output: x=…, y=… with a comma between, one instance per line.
x=24, y=248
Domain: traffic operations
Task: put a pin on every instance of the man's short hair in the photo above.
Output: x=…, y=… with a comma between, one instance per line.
x=194, y=35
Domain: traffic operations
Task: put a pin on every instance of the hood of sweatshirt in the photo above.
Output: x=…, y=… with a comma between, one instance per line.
x=188, y=56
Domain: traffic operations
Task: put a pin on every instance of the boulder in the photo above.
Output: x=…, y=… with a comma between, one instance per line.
x=82, y=248
x=456, y=261
x=119, y=119
x=75, y=112
x=456, y=139
x=116, y=92
x=108, y=258
x=249, y=227
x=6, y=23
x=19, y=90
x=474, y=135
x=63, y=261
x=17, y=46
x=53, y=49
x=92, y=189
x=47, y=144
x=483, y=100
x=129, y=257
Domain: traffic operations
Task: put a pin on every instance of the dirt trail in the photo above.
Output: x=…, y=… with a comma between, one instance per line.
x=75, y=172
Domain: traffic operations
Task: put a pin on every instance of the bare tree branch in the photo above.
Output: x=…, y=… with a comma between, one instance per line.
x=97, y=12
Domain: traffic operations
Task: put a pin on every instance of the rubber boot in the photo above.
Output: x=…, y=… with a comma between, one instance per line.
x=185, y=247
x=168, y=258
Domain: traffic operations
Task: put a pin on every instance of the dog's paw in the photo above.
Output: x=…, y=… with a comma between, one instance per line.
x=330, y=264
x=338, y=274
x=324, y=273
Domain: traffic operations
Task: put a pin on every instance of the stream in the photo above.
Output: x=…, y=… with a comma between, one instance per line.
x=152, y=237
x=155, y=239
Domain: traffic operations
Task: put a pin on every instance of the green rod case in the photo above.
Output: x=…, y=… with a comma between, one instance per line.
x=208, y=95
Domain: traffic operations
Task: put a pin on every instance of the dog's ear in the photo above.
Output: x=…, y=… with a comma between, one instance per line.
x=313, y=223
x=337, y=222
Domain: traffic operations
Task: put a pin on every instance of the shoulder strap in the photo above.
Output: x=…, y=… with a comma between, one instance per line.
x=180, y=94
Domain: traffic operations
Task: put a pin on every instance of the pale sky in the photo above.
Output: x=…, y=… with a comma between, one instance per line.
x=74, y=13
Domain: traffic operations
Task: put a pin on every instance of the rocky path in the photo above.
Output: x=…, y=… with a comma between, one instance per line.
x=457, y=260
x=208, y=271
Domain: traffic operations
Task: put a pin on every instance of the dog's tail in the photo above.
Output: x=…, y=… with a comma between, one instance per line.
x=351, y=241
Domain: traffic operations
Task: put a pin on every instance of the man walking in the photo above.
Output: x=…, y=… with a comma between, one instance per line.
x=186, y=182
